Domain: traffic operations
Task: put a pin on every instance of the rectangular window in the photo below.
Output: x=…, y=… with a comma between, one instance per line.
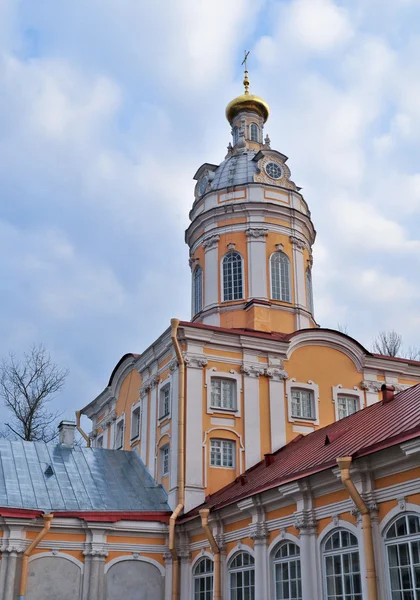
x=135, y=423
x=119, y=435
x=164, y=461
x=347, y=405
x=164, y=401
x=223, y=393
x=100, y=441
x=222, y=453
x=303, y=404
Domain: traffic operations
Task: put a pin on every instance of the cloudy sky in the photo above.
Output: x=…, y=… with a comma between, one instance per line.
x=108, y=108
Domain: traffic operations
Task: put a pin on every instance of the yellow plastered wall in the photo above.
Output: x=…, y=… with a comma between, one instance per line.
x=327, y=367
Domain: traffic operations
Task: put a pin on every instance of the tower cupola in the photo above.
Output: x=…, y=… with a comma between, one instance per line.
x=251, y=233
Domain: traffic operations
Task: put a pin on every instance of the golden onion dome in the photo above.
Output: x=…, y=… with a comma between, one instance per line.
x=247, y=101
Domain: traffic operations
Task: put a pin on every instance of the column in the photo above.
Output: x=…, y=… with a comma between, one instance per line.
x=168, y=575
x=307, y=525
x=144, y=418
x=211, y=277
x=260, y=537
x=184, y=557
x=153, y=403
x=10, y=553
x=277, y=405
x=257, y=262
x=96, y=583
x=252, y=444
x=194, y=493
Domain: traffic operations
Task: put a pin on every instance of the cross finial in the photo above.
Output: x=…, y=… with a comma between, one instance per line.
x=246, y=80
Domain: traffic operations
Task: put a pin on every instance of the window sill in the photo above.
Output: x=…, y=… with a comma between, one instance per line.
x=164, y=418
x=221, y=467
x=217, y=409
x=303, y=419
x=135, y=438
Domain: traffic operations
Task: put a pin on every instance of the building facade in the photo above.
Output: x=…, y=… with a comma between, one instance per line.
x=247, y=454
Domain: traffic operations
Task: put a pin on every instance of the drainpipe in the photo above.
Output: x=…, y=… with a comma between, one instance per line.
x=344, y=463
x=181, y=459
x=80, y=430
x=28, y=552
x=204, y=513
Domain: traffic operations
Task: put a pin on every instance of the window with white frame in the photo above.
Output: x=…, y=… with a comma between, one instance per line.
x=100, y=441
x=135, y=423
x=280, y=277
x=253, y=132
x=197, y=289
x=232, y=277
x=342, y=567
x=402, y=542
x=164, y=460
x=309, y=291
x=347, y=405
x=223, y=393
x=164, y=401
x=303, y=405
x=286, y=572
x=203, y=579
x=222, y=453
x=119, y=435
x=242, y=577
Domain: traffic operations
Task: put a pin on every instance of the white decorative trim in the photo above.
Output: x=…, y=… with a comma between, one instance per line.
x=222, y=421
x=162, y=385
x=239, y=451
x=195, y=361
x=210, y=242
x=256, y=232
x=133, y=408
x=240, y=547
x=310, y=385
x=282, y=537
x=203, y=553
x=411, y=447
x=234, y=376
x=338, y=390
x=305, y=429
x=138, y=558
x=397, y=512
x=58, y=554
x=243, y=297
x=116, y=423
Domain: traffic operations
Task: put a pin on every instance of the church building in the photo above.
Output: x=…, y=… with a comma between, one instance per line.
x=247, y=454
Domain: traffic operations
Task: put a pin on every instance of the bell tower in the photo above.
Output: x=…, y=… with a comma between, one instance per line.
x=251, y=233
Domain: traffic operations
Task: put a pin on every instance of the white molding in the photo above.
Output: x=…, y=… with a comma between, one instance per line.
x=310, y=385
x=116, y=423
x=338, y=390
x=203, y=554
x=244, y=296
x=139, y=558
x=234, y=376
x=291, y=287
x=206, y=456
x=240, y=547
x=282, y=537
x=163, y=383
x=396, y=512
x=133, y=408
x=58, y=554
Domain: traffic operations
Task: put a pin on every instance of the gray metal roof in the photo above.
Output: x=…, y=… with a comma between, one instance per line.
x=82, y=479
x=235, y=170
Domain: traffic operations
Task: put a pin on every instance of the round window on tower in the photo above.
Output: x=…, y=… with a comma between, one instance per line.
x=273, y=170
x=203, y=185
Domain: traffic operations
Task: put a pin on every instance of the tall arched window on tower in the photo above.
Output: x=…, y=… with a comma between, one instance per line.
x=309, y=290
x=280, y=277
x=253, y=132
x=235, y=135
x=197, y=300
x=232, y=277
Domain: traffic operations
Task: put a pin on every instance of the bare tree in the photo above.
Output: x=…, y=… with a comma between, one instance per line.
x=388, y=343
x=27, y=386
x=412, y=353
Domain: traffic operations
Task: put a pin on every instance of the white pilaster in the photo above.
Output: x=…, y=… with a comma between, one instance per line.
x=168, y=575
x=308, y=557
x=194, y=493
x=211, y=271
x=151, y=463
x=299, y=277
x=277, y=406
x=371, y=387
x=257, y=259
x=251, y=389
x=144, y=420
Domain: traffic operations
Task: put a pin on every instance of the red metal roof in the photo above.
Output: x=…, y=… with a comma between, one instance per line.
x=369, y=430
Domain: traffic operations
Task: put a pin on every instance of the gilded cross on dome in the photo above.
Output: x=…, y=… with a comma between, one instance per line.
x=246, y=80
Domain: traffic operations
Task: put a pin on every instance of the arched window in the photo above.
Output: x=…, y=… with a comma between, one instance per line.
x=342, y=566
x=197, y=289
x=280, y=277
x=242, y=577
x=253, y=133
x=235, y=135
x=403, y=549
x=286, y=566
x=309, y=291
x=203, y=579
x=232, y=277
